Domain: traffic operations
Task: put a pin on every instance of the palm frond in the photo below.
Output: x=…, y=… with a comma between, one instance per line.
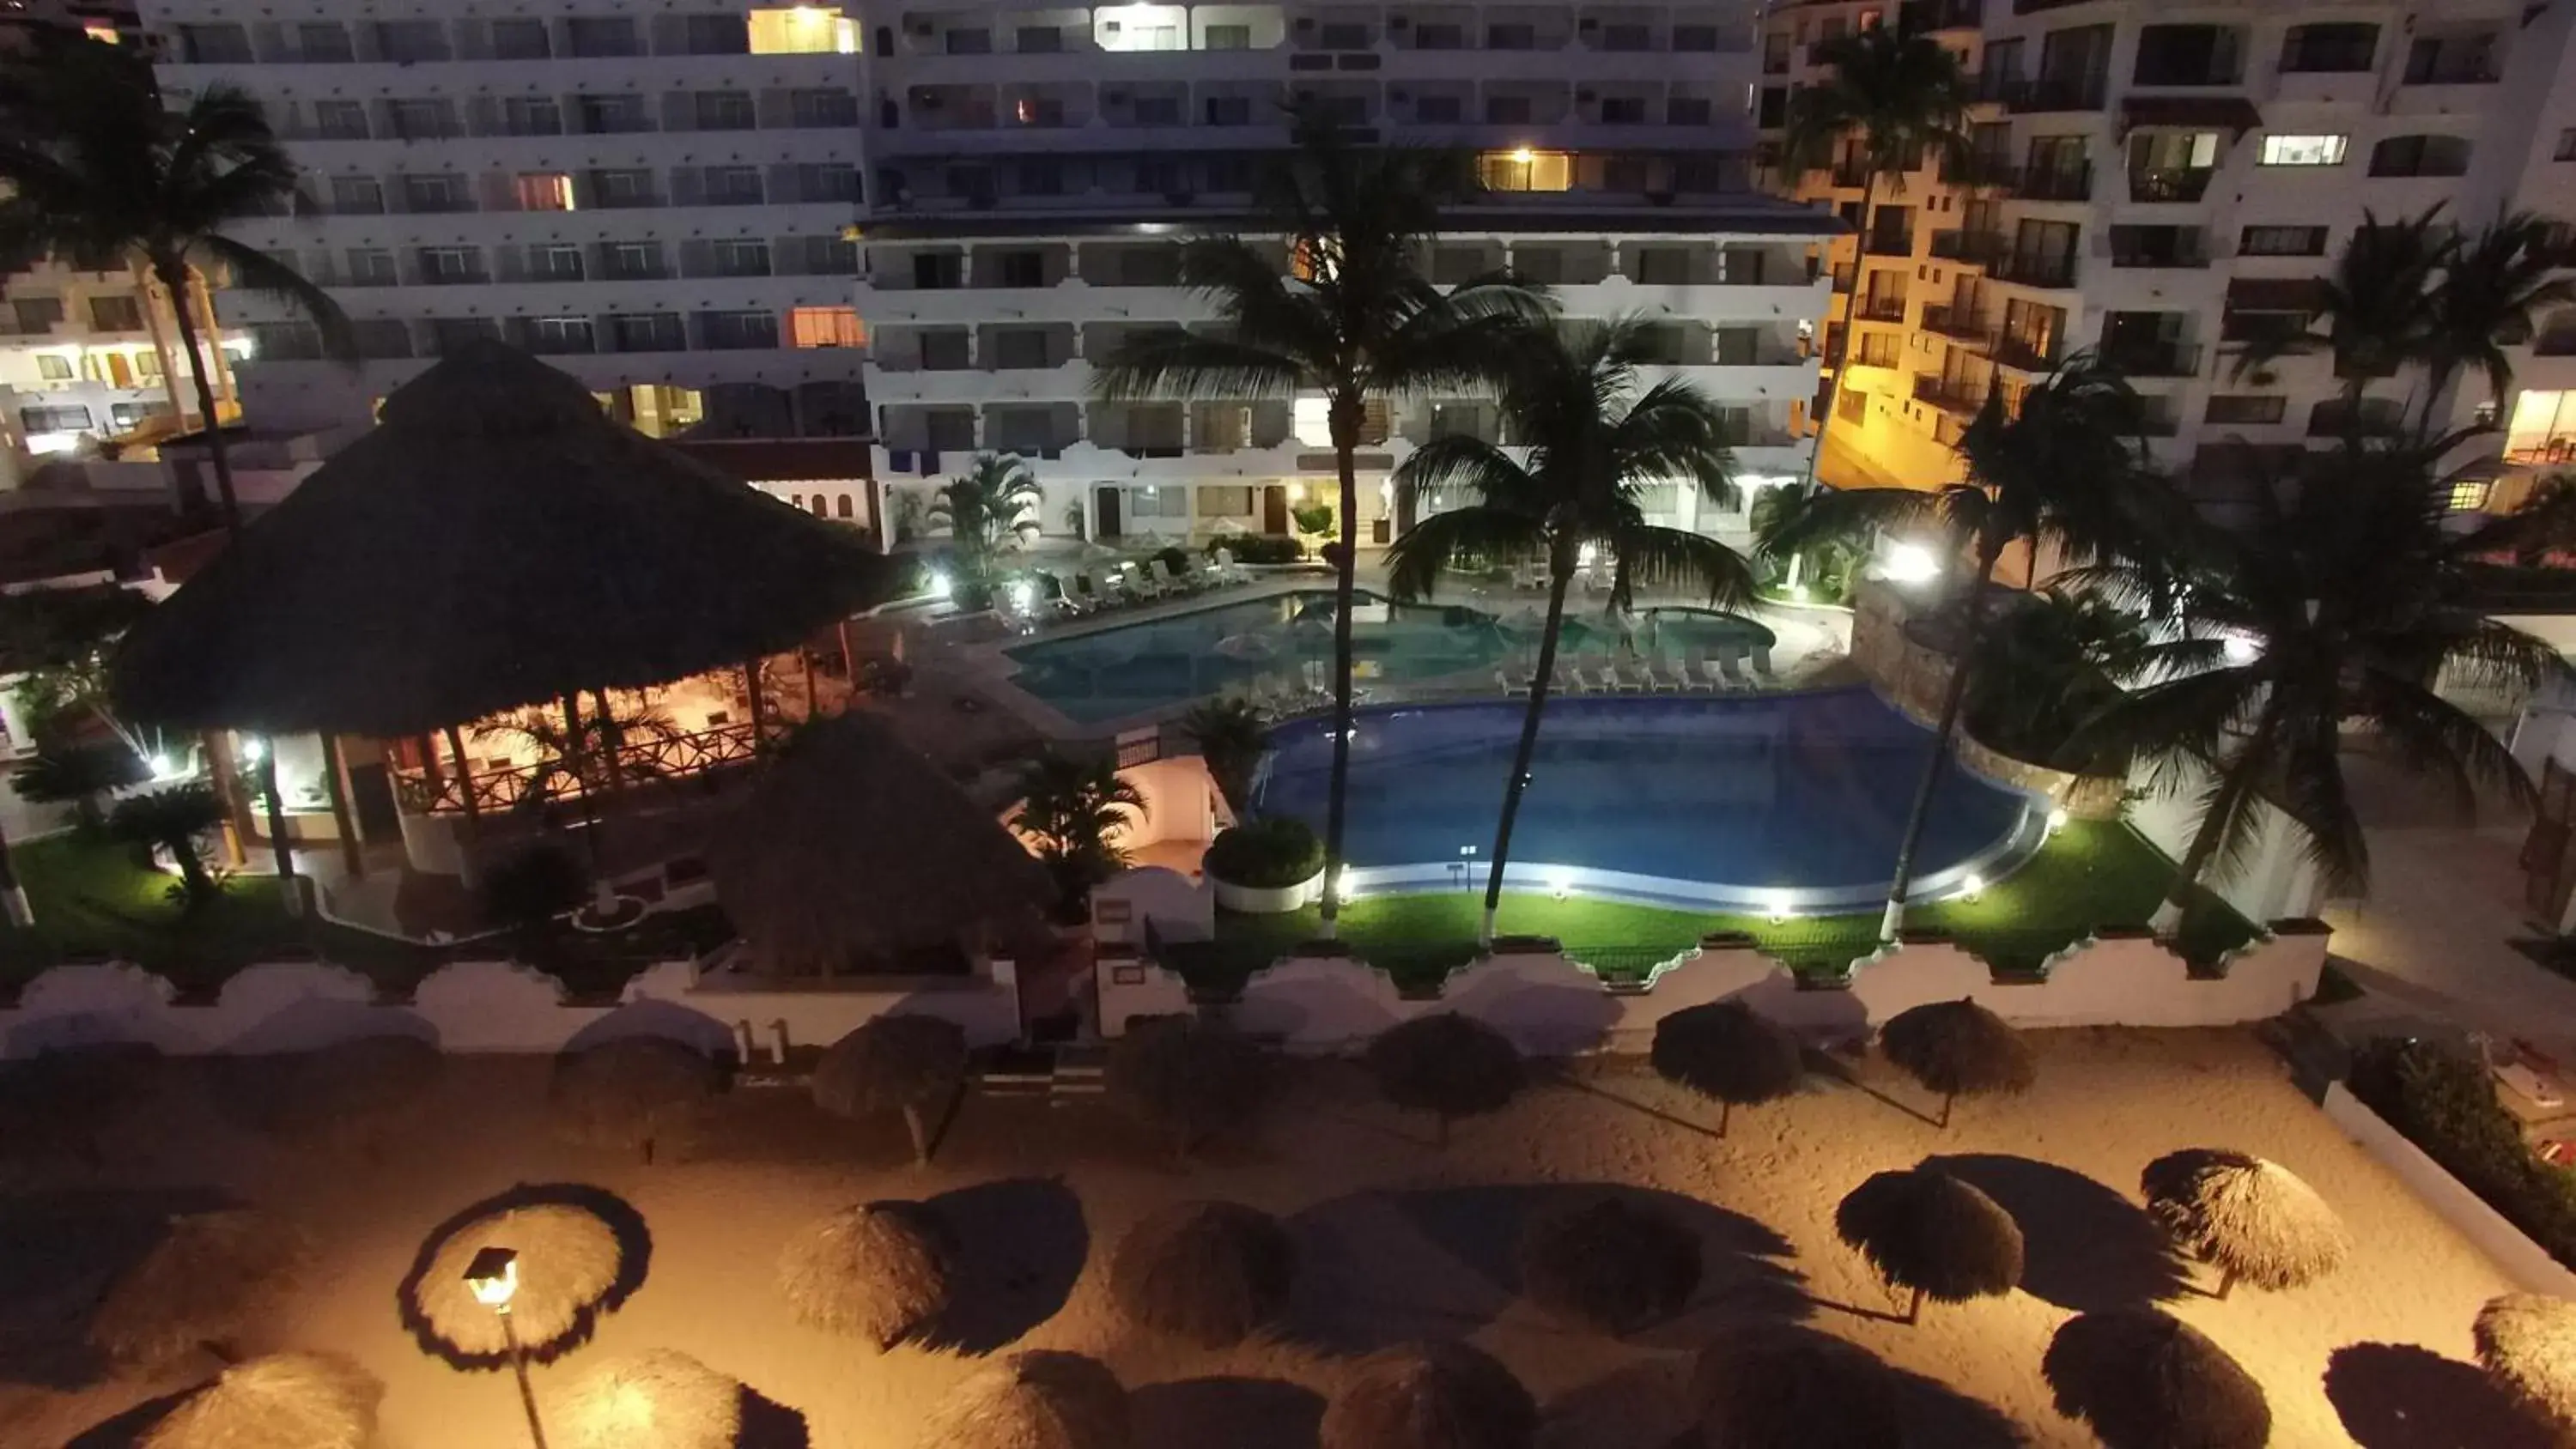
x=1194, y=367
x=1421, y=554
x=262, y=273
x=1675, y=559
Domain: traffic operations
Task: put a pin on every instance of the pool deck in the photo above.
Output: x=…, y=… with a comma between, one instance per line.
x=1812, y=641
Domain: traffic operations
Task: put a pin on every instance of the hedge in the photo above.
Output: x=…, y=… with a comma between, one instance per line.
x=2445, y=1104
x=1265, y=854
x=1259, y=548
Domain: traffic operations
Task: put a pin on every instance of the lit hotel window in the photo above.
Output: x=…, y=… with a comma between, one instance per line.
x=1526, y=170
x=803, y=30
x=825, y=327
x=545, y=191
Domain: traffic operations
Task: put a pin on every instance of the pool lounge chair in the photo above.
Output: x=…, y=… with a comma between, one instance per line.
x=1089, y=598
x=1226, y=569
x=1566, y=679
x=1515, y=678
x=1168, y=581
x=1628, y=675
x=1762, y=664
x=1732, y=666
x=1139, y=584
x=1666, y=674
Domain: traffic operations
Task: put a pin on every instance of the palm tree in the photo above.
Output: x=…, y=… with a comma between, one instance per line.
x=990, y=506
x=1357, y=323
x=2067, y=470
x=173, y=819
x=1902, y=97
x=2492, y=287
x=2377, y=307
x=2044, y=668
x=2339, y=607
x=1231, y=737
x=1071, y=808
x=1592, y=434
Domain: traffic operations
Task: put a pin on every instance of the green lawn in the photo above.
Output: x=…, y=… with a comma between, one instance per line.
x=2089, y=877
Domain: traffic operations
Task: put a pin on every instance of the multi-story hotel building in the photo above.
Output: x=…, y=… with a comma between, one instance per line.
x=677, y=202
x=2164, y=182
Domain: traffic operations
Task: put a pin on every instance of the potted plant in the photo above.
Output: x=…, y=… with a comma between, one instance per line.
x=1266, y=867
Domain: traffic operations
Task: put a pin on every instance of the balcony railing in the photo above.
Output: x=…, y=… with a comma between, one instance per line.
x=1889, y=244
x=2330, y=420
x=2185, y=254
x=1941, y=14
x=2022, y=354
x=2154, y=359
x=2169, y=183
x=2029, y=97
x=639, y=762
x=2035, y=269
x=1977, y=248
x=2056, y=183
x=1978, y=169
x=1964, y=324
x=1881, y=309
x=1949, y=394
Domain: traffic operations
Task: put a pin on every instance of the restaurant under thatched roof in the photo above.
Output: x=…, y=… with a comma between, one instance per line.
x=495, y=541
x=853, y=852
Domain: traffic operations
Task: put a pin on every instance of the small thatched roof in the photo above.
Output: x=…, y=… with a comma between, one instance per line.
x=632, y=1093
x=855, y=847
x=493, y=542
x=570, y=1266
x=211, y=1276
x=1926, y=1229
x=1185, y=1075
x=1727, y=1051
x=1768, y=1385
x=1033, y=1400
x=1209, y=1272
x=307, y=1400
x=349, y=1092
x=1447, y=1063
x=2146, y=1380
x=1608, y=1263
x=2527, y=1343
x=881, y=1271
x=658, y=1399
x=2254, y=1219
x=889, y=1062
x=1430, y=1396
x=1959, y=1048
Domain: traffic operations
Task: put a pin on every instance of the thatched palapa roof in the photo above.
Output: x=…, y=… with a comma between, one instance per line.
x=1448, y=1395
x=658, y=1399
x=1034, y=1400
x=1608, y=1263
x=495, y=541
x=211, y=1277
x=854, y=847
x=1212, y=1273
x=308, y=1400
x=880, y=1271
x=2143, y=1380
x=2254, y=1219
x=1926, y=1230
x=2527, y=1344
x=1762, y=1385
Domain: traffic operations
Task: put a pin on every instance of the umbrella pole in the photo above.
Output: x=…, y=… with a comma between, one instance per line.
x=335, y=778
x=601, y=897
x=519, y=1367
x=751, y=686
x=464, y=783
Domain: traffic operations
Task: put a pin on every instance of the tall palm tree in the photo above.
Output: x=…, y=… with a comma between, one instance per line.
x=2493, y=286
x=1590, y=433
x=1899, y=97
x=100, y=175
x=2376, y=306
x=990, y=506
x=1071, y=808
x=2339, y=607
x=1356, y=323
x=2067, y=470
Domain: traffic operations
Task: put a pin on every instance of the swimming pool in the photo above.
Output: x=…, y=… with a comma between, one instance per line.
x=1738, y=802
x=1135, y=669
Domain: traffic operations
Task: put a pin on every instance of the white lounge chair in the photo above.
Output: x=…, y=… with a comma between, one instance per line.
x=1566, y=678
x=1515, y=678
x=1227, y=570
x=1666, y=674
x=1733, y=668
x=1762, y=663
x=1628, y=675
x=1139, y=583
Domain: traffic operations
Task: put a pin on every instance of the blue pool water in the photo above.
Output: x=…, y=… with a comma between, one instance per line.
x=1728, y=801
x=1134, y=669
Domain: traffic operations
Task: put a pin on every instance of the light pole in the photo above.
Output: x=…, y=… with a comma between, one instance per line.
x=494, y=1278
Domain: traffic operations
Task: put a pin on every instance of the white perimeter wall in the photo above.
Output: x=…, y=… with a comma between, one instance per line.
x=2277, y=881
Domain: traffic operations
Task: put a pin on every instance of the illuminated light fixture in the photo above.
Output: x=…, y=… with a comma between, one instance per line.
x=493, y=1277
x=1342, y=884
x=1781, y=906
x=2240, y=649
x=1523, y=156
x=1798, y=592
x=161, y=767
x=1559, y=882
x=253, y=748
x=241, y=347
x=1973, y=887
x=1024, y=596
x=939, y=585
x=1588, y=554
x=2057, y=820
x=1911, y=563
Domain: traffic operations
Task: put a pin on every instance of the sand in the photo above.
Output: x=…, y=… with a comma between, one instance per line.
x=1396, y=1240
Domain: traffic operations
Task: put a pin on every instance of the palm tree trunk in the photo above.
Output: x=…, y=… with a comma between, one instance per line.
x=161, y=347
x=2235, y=793
x=1346, y=442
x=13, y=896
x=174, y=275
x=290, y=887
x=1851, y=315
x=1560, y=574
x=1953, y=698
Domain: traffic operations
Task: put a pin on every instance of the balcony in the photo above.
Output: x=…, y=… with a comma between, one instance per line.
x=2157, y=358
x=1950, y=394
x=1851, y=175
x=1978, y=169
x=2166, y=256
x=2055, y=183
x=1881, y=309
x=2035, y=269
x=2024, y=354
x=2038, y=97
x=1960, y=324
x=1889, y=244
x=2169, y=183
x=1930, y=15
x=2376, y=418
x=1975, y=248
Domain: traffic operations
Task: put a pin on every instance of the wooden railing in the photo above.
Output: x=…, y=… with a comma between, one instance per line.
x=642, y=759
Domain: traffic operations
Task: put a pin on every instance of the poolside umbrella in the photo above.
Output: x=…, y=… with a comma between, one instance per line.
x=1608, y=1264
x=2254, y=1219
x=900, y=1062
x=1768, y=1385
x=1958, y=1049
x=1928, y=1231
x=658, y=1399
x=2146, y=1380
x=853, y=850
x=495, y=541
x=571, y=1269
x=283, y=1401
x=1208, y=1272
x=1430, y=1396
x=1448, y=1064
x=1727, y=1051
x=880, y=1271
x=1033, y=1400
x=212, y=1276
x=632, y=1094
x=351, y=1093
x=2527, y=1343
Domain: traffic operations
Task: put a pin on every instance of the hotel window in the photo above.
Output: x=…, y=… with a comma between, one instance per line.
x=716, y=35
x=646, y=332
x=420, y=120
x=2305, y=150
x=1877, y=349
x=37, y=315
x=54, y=420
x=340, y=120
x=53, y=367
x=531, y=116
x=1623, y=110
x=1224, y=500
x=833, y=107
x=601, y=35
x=1526, y=170
x=629, y=187
x=1039, y=178
x=2247, y=409
x=1038, y=40
x=631, y=261
x=1507, y=110
x=381, y=337
x=1229, y=110
x=357, y=196
x=2420, y=156
x=803, y=30
x=214, y=45
x=732, y=185
x=440, y=265
x=116, y=314
x=520, y=40
x=323, y=41
x=545, y=191
x=1344, y=37
x=126, y=415
x=610, y=115
x=1440, y=110
x=825, y=327
x=411, y=40
x=554, y=264
x=1439, y=37
x=737, y=331
x=740, y=258
x=1695, y=37
x=1511, y=37
x=557, y=335
x=443, y=191
x=1142, y=27
x=2469, y=495
x=147, y=364
x=1689, y=111
x=370, y=267
x=450, y=334
x=722, y=111
x=2282, y=241
x=1228, y=37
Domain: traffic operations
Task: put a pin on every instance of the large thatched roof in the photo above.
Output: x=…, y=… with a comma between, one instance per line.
x=1448, y=1395
x=310, y=1400
x=1039, y=1399
x=854, y=847
x=494, y=541
x=211, y=1277
x=880, y=1271
x=1212, y=1273
x=2527, y=1342
x=2254, y=1219
x=2143, y=1379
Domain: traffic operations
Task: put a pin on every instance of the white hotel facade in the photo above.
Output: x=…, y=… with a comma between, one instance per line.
x=923, y=224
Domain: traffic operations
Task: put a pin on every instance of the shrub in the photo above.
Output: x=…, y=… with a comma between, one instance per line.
x=1260, y=548
x=1312, y=517
x=1265, y=854
x=534, y=885
x=2444, y=1104
x=79, y=776
x=1174, y=558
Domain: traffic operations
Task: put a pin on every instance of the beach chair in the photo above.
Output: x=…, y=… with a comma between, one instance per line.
x=1515, y=678
x=1139, y=583
x=1565, y=678
x=1628, y=675
x=1227, y=570
x=1762, y=664
x=1666, y=674
x=1055, y=599
x=1732, y=666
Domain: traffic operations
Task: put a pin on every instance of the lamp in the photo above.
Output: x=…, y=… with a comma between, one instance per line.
x=493, y=1278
